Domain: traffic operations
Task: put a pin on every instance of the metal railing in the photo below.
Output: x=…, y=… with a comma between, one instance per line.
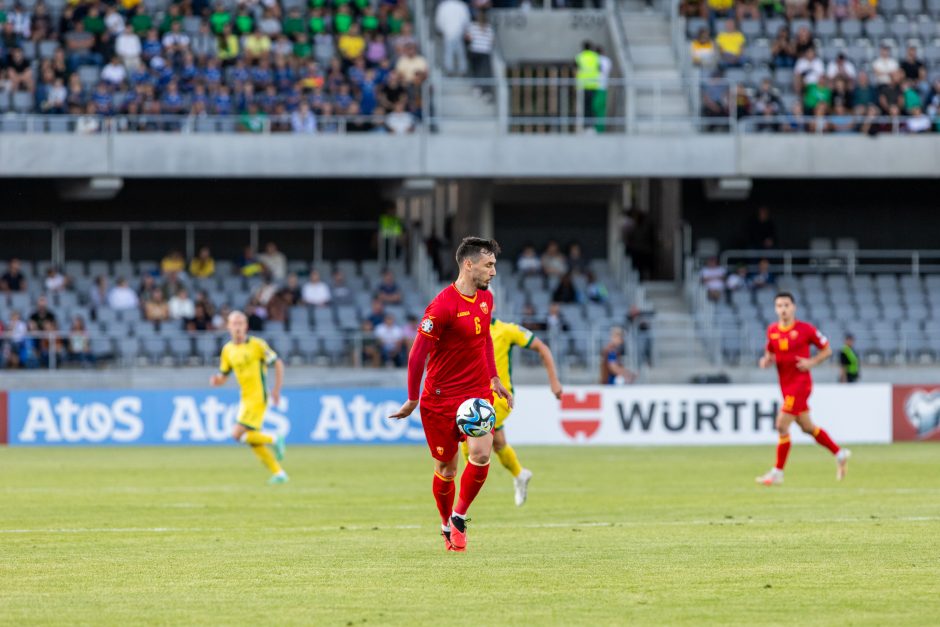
x=835, y=261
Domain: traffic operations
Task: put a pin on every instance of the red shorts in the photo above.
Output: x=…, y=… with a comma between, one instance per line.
x=439, y=419
x=796, y=400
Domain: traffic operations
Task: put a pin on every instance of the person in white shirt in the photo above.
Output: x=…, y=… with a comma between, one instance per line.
x=182, y=306
x=114, y=21
x=884, y=66
x=128, y=47
x=391, y=339
x=807, y=71
x=303, y=121
x=55, y=280
x=713, y=278
x=841, y=67
x=114, y=73
x=175, y=40
x=275, y=261
x=452, y=18
x=399, y=121
x=315, y=292
x=122, y=297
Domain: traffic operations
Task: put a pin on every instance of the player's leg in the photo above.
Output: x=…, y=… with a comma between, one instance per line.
x=248, y=431
x=442, y=441
x=507, y=457
x=505, y=453
x=774, y=476
x=823, y=439
x=471, y=482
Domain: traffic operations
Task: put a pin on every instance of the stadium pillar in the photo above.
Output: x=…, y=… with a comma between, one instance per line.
x=665, y=198
x=474, y=215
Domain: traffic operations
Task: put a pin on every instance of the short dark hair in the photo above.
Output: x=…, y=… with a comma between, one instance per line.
x=785, y=295
x=472, y=247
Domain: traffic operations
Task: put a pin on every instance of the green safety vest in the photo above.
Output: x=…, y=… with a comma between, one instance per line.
x=389, y=226
x=589, y=70
x=852, y=358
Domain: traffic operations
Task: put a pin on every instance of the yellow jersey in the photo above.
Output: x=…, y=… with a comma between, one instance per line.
x=505, y=336
x=250, y=361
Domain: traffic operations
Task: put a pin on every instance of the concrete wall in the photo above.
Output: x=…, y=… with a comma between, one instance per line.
x=487, y=156
x=548, y=36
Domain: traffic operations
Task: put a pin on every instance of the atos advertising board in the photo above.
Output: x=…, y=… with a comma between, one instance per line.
x=692, y=414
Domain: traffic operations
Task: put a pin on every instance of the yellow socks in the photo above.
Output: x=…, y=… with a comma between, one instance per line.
x=257, y=437
x=507, y=457
x=465, y=448
x=266, y=457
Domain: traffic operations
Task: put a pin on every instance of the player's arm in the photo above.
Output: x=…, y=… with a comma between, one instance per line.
x=767, y=359
x=225, y=369
x=278, y=382
x=498, y=388
x=416, y=361
x=548, y=361
x=806, y=363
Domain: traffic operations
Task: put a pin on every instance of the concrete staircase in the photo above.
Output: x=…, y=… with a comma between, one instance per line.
x=678, y=352
x=465, y=110
x=649, y=46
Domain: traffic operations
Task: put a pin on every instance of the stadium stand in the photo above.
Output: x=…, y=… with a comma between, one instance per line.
x=278, y=66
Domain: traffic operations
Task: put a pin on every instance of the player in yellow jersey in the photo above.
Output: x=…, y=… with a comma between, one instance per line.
x=507, y=336
x=249, y=357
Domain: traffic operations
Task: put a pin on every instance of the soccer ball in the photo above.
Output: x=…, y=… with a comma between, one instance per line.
x=476, y=417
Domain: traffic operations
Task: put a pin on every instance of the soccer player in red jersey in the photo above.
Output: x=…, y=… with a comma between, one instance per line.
x=455, y=333
x=788, y=342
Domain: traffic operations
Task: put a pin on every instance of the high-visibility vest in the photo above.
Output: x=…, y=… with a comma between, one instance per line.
x=589, y=69
x=389, y=226
x=852, y=358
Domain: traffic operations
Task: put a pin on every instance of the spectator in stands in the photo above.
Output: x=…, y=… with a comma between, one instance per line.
x=181, y=306
x=128, y=48
x=763, y=277
x=884, y=67
x=719, y=9
x=864, y=95
x=703, y=49
x=918, y=121
x=371, y=355
x=767, y=102
x=42, y=315
x=808, y=71
x=257, y=314
x=173, y=264
x=13, y=279
x=577, y=264
x=202, y=265
x=114, y=73
x=291, y=292
x=278, y=305
x=915, y=71
x=587, y=77
x=55, y=281
x=530, y=320
x=715, y=98
x=553, y=260
x=841, y=68
x=79, y=346
x=891, y=94
x=528, y=262
x=376, y=313
x=399, y=121
x=842, y=121
x=201, y=320
x=747, y=10
x=596, y=290
x=816, y=95
x=412, y=67
x=480, y=40
x=303, y=121
x=122, y=297
x=613, y=372
x=452, y=19
x=555, y=321
x=98, y=293
x=731, y=42
x=17, y=329
x=712, y=276
x=80, y=45
x=391, y=339
x=737, y=280
x=566, y=292
x=762, y=230
x=783, y=49
x=20, y=71
x=848, y=361
x=797, y=8
x=248, y=264
x=388, y=290
x=315, y=292
x=342, y=293
x=156, y=308
x=841, y=94
x=50, y=342
x=274, y=261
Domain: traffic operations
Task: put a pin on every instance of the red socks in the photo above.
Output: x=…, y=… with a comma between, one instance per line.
x=783, y=449
x=444, y=496
x=471, y=482
x=823, y=438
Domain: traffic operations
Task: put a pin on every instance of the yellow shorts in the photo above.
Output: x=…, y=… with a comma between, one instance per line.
x=251, y=414
x=502, y=411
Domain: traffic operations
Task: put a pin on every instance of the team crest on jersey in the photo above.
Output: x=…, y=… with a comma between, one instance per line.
x=427, y=325
x=793, y=334
x=440, y=450
x=484, y=308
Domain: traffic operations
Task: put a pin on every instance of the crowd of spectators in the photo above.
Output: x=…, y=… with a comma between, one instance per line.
x=575, y=281
x=276, y=65
x=721, y=282
x=807, y=75
x=175, y=296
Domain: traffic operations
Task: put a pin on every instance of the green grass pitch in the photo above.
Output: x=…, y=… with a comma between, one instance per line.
x=610, y=536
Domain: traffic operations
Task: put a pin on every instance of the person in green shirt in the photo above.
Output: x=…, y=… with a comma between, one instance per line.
x=244, y=23
x=848, y=361
x=820, y=92
x=220, y=18
x=94, y=23
x=172, y=15
x=369, y=21
x=302, y=47
x=342, y=21
x=141, y=22
x=252, y=120
x=294, y=23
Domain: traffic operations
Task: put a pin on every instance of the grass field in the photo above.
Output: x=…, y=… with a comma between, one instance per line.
x=610, y=536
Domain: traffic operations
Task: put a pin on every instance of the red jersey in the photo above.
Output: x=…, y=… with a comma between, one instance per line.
x=787, y=344
x=462, y=349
